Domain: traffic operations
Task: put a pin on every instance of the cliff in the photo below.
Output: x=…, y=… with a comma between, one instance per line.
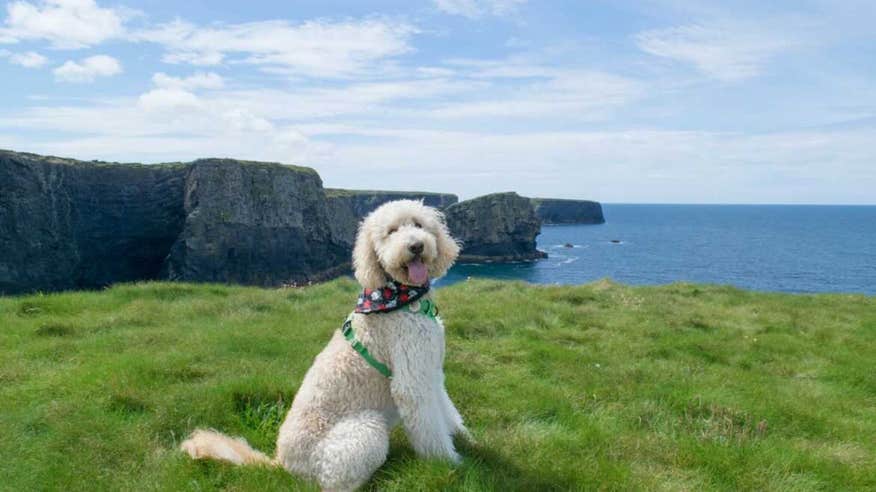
x=500, y=227
x=558, y=211
x=348, y=207
x=67, y=224
x=254, y=223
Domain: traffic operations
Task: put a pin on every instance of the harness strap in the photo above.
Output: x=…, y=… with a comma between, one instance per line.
x=350, y=335
x=426, y=307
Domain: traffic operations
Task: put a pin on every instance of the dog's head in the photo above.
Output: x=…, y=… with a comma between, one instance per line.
x=404, y=240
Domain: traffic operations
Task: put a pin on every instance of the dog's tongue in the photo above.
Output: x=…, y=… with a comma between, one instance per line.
x=417, y=273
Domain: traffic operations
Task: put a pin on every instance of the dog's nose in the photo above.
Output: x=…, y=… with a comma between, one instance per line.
x=416, y=248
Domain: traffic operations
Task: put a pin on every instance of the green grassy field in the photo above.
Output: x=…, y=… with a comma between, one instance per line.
x=602, y=386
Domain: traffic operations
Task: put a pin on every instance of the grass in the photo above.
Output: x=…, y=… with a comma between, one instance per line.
x=601, y=386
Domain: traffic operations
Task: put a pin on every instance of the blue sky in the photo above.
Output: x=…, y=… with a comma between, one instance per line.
x=661, y=101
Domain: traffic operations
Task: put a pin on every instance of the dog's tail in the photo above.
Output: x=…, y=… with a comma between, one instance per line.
x=210, y=444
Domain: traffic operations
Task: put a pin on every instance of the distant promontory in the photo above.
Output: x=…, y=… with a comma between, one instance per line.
x=562, y=211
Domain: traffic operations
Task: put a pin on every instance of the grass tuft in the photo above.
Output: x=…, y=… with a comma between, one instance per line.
x=262, y=413
x=127, y=405
x=55, y=330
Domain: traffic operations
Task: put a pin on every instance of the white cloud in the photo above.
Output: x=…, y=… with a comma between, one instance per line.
x=172, y=99
x=175, y=93
x=518, y=86
x=565, y=94
x=479, y=8
x=193, y=112
x=288, y=147
x=200, y=80
x=67, y=24
x=353, y=100
x=315, y=48
x=619, y=165
x=205, y=58
x=29, y=59
x=724, y=52
x=88, y=69
x=161, y=125
x=435, y=71
x=242, y=120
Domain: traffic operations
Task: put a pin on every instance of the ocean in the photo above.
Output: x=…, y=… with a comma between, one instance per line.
x=785, y=248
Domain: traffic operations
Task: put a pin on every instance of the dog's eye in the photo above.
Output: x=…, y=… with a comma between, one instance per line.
x=417, y=225
x=391, y=231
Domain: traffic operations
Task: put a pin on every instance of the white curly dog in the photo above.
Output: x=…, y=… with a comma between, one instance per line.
x=386, y=365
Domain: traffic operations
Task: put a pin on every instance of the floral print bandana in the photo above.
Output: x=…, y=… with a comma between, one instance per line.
x=390, y=297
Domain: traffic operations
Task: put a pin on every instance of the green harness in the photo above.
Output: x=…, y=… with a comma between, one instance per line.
x=426, y=307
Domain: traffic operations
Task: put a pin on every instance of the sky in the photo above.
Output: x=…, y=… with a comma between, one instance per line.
x=655, y=101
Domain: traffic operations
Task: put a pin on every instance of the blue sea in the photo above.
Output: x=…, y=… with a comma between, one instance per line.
x=785, y=248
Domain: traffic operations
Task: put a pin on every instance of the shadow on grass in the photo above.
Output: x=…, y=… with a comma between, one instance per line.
x=507, y=475
x=482, y=469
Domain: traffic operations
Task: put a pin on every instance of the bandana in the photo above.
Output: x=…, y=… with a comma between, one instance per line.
x=390, y=297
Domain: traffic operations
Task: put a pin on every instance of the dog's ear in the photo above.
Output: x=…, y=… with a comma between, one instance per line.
x=366, y=265
x=448, y=248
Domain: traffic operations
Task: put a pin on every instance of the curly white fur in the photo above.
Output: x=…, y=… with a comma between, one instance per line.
x=337, y=431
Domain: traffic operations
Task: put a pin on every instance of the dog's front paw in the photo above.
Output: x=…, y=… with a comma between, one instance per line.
x=455, y=458
x=465, y=434
x=448, y=453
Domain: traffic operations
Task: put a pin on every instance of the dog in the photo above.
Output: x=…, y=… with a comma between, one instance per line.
x=337, y=430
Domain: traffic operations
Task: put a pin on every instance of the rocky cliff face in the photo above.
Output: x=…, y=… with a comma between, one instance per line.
x=348, y=207
x=500, y=227
x=557, y=211
x=254, y=223
x=66, y=224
